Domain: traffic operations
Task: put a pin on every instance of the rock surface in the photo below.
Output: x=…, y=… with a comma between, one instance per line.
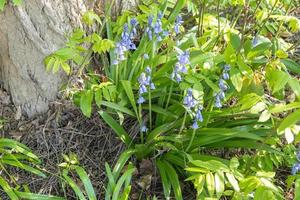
x=28, y=33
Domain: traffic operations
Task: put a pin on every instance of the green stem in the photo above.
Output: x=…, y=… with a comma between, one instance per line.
x=141, y=123
x=150, y=108
x=117, y=74
x=169, y=95
x=191, y=141
x=183, y=122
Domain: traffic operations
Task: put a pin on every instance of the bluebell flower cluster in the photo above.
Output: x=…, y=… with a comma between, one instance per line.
x=145, y=82
x=155, y=28
x=223, y=87
x=193, y=104
x=178, y=23
x=126, y=43
x=181, y=66
x=296, y=166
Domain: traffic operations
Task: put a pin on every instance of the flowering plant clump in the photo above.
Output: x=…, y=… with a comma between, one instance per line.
x=195, y=88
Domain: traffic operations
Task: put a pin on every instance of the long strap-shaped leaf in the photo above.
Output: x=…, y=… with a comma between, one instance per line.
x=86, y=182
x=73, y=185
x=32, y=196
x=9, y=191
x=122, y=134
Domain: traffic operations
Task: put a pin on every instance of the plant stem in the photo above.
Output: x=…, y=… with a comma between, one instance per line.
x=169, y=95
x=150, y=108
x=183, y=122
x=191, y=141
x=141, y=123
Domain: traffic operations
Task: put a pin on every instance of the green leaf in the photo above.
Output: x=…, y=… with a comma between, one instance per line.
x=236, y=79
x=32, y=196
x=173, y=178
x=66, y=67
x=8, y=190
x=18, y=147
x=20, y=165
x=127, y=175
x=89, y=17
x=295, y=86
x=235, y=41
x=98, y=97
x=210, y=184
x=117, y=107
x=277, y=108
x=290, y=120
x=212, y=165
x=86, y=102
x=117, y=128
x=259, y=49
x=233, y=182
x=297, y=189
x=124, y=157
x=164, y=179
x=219, y=183
x=160, y=110
x=17, y=2
x=73, y=185
x=277, y=79
x=2, y=4
x=291, y=65
x=129, y=92
x=86, y=182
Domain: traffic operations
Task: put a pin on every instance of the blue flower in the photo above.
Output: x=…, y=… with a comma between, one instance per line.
x=145, y=82
x=184, y=58
x=178, y=23
x=218, y=103
x=223, y=86
x=225, y=76
x=144, y=128
x=141, y=100
x=146, y=56
x=254, y=41
x=126, y=43
x=155, y=28
x=199, y=116
x=189, y=101
x=181, y=66
x=195, y=125
x=194, y=105
x=295, y=168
